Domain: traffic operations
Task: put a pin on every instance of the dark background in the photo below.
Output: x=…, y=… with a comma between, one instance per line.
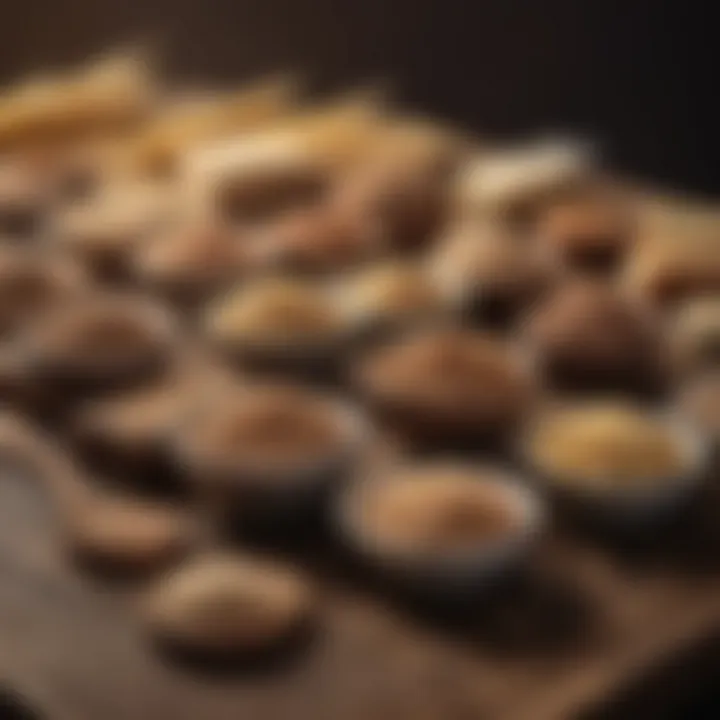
x=637, y=76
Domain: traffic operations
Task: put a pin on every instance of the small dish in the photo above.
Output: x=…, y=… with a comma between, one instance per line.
x=280, y=324
x=189, y=265
x=396, y=296
x=269, y=454
x=100, y=342
x=591, y=232
x=442, y=529
x=589, y=336
x=227, y=606
x=110, y=533
x=32, y=282
x=617, y=462
x=126, y=435
x=449, y=388
x=320, y=240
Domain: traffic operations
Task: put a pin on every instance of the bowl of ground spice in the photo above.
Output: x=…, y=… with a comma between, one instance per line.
x=441, y=527
x=272, y=452
x=617, y=459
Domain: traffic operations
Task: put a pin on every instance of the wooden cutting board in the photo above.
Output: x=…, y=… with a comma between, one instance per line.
x=594, y=626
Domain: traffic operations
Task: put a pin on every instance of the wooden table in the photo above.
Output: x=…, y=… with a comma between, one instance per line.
x=592, y=621
x=594, y=629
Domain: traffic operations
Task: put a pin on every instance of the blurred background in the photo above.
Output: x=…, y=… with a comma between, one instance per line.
x=638, y=76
